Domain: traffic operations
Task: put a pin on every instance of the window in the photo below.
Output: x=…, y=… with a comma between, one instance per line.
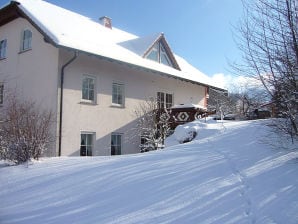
x=26, y=40
x=160, y=100
x=118, y=94
x=86, y=144
x=164, y=100
x=88, y=88
x=153, y=54
x=169, y=100
x=1, y=93
x=3, y=44
x=116, y=144
x=159, y=54
x=164, y=59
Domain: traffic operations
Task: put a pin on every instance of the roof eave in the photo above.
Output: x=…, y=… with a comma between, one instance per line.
x=141, y=67
x=9, y=12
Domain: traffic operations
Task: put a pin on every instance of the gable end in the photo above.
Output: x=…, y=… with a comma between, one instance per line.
x=13, y=11
x=9, y=13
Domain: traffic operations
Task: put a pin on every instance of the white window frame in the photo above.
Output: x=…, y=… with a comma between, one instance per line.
x=119, y=93
x=87, y=144
x=3, y=46
x=88, y=100
x=162, y=101
x=116, y=144
x=1, y=93
x=26, y=41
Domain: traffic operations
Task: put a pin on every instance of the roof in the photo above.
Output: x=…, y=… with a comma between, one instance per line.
x=65, y=28
x=189, y=105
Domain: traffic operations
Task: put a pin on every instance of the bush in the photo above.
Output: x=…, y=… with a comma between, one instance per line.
x=24, y=131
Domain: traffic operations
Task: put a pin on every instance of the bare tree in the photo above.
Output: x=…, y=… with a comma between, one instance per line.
x=268, y=39
x=219, y=101
x=152, y=125
x=24, y=130
x=248, y=97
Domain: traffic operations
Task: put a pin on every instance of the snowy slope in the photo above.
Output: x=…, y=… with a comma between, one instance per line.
x=227, y=175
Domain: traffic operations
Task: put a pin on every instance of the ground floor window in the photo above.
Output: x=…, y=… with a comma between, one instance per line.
x=116, y=143
x=86, y=144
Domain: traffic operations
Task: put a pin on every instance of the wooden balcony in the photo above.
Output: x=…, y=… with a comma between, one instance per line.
x=185, y=113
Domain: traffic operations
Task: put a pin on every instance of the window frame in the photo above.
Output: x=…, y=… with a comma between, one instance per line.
x=26, y=41
x=3, y=47
x=115, y=100
x=162, y=56
x=167, y=103
x=118, y=145
x=89, y=90
x=160, y=100
x=163, y=100
x=87, y=144
x=1, y=93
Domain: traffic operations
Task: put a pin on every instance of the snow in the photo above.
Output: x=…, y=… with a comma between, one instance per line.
x=185, y=132
x=189, y=105
x=228, y=174
x=65, y=29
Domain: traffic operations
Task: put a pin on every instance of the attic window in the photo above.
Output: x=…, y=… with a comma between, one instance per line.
x=159, y=54
x=3, y=44
x=26, y=40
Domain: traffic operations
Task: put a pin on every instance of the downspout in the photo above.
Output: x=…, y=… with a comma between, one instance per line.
x=61, y=99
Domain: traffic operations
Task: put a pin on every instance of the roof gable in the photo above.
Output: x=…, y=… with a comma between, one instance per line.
x=9, y=13
x=144, y=45
x=164, y=48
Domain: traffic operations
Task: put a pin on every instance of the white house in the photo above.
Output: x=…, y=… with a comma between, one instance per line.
x=90, y=74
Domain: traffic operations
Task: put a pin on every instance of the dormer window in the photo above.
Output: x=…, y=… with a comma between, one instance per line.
x=26, y=40
x=159, y=54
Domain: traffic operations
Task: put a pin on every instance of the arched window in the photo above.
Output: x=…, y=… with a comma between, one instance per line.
x=3, y=44
x=26, y=40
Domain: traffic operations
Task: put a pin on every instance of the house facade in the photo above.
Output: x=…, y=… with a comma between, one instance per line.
x=91, y=75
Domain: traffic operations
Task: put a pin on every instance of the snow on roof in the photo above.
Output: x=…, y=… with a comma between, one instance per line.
x=72, y=30
x=189, y=105
x=141, y=44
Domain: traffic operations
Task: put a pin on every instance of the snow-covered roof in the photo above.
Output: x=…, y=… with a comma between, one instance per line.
x=140, y=45
x=189, y=105
x=71, y=30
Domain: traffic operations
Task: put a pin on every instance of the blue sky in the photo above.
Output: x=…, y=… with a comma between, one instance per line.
x=198, y=30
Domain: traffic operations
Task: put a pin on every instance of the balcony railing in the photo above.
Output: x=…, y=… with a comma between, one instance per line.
x=182, y=114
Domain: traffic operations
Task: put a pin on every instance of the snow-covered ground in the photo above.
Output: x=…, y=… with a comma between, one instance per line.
x=229, y=174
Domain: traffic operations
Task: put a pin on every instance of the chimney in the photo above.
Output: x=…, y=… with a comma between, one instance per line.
x=106, y=21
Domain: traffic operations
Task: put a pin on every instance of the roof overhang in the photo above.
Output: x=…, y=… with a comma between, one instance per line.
x=137, y=67
x=9, y=13
x=12, y=11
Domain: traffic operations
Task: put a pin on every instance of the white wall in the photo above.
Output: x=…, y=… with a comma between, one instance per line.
x=102, y=118
x=31, y=74
x=34, y=74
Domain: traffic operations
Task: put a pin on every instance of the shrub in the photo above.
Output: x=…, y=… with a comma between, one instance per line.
x=24, y=131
